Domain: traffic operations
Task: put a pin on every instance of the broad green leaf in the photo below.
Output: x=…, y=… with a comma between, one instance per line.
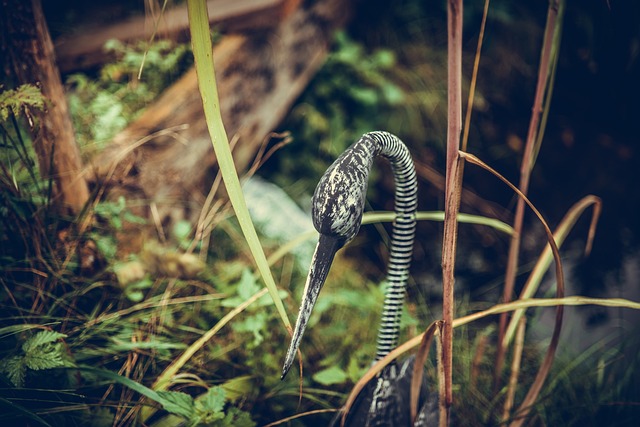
x=330, y=376
x=213, y=400
x=178, y=403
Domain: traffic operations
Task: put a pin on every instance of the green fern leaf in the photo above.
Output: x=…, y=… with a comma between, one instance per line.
x=41, y=338
x=47, y=356
x=15, y=369
x=15, y=100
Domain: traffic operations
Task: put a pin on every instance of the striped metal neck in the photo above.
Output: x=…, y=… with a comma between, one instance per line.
x=402, y=236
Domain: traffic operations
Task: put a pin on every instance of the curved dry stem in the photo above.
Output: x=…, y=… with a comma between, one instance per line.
x=418, y=364
x=531, y=396
x=491, y=311
x=505, y=308
x=548, y=59
x=474, y=77
x=544, y=260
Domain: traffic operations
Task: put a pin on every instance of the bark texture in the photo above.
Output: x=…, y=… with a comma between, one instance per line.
x=29, y=58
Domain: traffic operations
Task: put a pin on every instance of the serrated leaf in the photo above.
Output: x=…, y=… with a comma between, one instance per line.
x=209, y=407
x=47, y=356
x=15, y=369
x=237, y=418
x=255, y=324
x=178, y=403
x=213, y=400
x=41, y=338
x=15, y=100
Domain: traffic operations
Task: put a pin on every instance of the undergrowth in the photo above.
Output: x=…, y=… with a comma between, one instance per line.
x=85, y=346
x=104, y=104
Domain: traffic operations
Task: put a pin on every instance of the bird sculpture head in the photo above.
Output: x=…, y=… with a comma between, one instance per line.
x=337, y=208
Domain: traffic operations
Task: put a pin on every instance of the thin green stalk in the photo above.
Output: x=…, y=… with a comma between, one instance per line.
x=203, y=56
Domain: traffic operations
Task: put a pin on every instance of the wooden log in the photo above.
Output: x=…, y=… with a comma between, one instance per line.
x=28, y=50
x=259, y=76
x=86, y=50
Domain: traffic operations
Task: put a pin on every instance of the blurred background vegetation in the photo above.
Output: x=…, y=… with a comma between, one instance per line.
x=387, y=71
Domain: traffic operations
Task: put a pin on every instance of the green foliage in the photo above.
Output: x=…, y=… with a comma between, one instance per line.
x=206, y=410
x=101, y=107
x=19, y=170
x=26, y=223
x=23, y=98
x=256, y=321
x=352, y=94
x=39, y=352
x=140, y=329
x=113, y=214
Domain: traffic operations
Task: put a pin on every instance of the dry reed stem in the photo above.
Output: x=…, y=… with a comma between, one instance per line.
x=418, y=367
x=452, y=191
x=544, y=260
x=545, y=367
x=525, y=173
x=474, y=77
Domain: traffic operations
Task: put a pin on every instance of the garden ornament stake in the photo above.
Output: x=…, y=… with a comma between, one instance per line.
x=337, y=208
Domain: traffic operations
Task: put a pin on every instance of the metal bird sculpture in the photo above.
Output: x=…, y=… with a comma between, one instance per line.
x=337, y=209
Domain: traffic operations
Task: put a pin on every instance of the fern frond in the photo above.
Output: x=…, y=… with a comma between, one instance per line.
x=40, y=339
x=25, y=96
x=15, y=369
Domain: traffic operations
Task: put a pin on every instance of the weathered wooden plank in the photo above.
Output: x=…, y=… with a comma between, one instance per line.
x=86, y=49
x=259, y=77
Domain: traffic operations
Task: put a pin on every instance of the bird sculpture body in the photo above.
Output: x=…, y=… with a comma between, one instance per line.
x=337, y=209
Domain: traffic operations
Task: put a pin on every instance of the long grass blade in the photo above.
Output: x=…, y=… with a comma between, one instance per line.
x=515, y=369
x=389, y=216
x=491, y=311
x=203, y=56
x=10, y=407
x=576, y=300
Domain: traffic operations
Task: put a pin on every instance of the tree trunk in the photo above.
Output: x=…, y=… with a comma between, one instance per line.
x=28, y=50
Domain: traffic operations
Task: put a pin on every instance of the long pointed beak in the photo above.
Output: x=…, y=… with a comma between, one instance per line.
x=320, y=264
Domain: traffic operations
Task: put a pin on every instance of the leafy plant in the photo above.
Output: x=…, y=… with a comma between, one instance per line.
x=101, y=107
x=41, y=351
x=352, y=94
x=23, y=98
x=206, y=410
